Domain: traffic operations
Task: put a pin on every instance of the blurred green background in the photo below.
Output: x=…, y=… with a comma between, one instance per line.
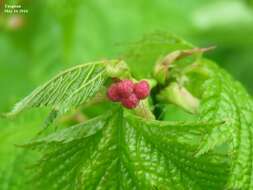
x=57, y=34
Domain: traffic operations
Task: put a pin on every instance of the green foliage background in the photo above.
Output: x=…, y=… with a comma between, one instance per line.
x=56, y=35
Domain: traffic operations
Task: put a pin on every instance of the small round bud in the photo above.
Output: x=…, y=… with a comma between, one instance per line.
x=131, y=102
x=112, y=93
x=125, y=88
x=142, y=89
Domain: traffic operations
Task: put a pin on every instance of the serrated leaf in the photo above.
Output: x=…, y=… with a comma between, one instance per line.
x=226, y=99
x=72, y=133
x=66, y=90
x=127, y=152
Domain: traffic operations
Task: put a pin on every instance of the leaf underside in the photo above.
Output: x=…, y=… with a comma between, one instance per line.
x=67, y=90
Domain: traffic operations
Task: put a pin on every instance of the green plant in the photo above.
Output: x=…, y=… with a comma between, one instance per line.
x=209, y=147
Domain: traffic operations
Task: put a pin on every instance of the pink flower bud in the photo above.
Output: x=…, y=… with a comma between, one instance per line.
x=125, y=88
x=130, y=102
x=142, y=89
x=112, y=93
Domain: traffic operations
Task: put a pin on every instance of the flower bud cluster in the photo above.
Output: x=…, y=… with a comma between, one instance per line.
x=128, y=93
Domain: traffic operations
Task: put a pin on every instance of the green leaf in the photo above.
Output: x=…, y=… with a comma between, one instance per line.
x=15, y=175
x=150, y=49
x=14, y=161
x=67, y=90
x=122, y=151
x=224, y=99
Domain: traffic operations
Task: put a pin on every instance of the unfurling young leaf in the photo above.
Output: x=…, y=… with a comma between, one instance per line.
x=226, y=99
x=67, y=90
